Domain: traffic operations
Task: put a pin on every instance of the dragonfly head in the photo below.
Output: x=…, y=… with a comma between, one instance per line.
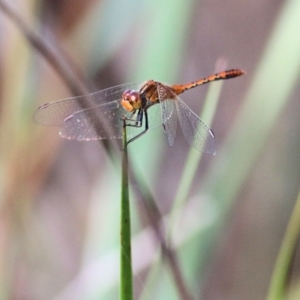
x=131, y=100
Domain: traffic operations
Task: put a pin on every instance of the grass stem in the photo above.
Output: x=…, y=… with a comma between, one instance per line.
x=125, y=242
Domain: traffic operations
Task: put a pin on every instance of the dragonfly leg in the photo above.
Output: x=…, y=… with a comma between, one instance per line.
x=137, y=122
x=143, y=132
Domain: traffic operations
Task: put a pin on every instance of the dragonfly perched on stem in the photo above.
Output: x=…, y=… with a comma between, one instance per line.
x=100, y=115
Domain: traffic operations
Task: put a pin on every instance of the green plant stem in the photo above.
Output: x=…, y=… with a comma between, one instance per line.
x=125, y=238
x=285, y=256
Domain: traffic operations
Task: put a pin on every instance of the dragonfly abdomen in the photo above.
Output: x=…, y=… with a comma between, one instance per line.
x=180, y=88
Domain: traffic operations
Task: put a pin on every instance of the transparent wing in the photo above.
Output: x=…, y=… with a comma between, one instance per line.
x=169, y=119
x=168, y=113
x=55, y=113
x=197, y=134
x=86, y=124
x=94, y=116
x=98, y=122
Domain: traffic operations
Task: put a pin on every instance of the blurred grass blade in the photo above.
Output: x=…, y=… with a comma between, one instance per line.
x=125, y=236
x=194, y=157
x=285, y=256
x=273, y=82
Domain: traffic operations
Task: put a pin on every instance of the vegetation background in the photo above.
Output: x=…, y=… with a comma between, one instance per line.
x=60, y=199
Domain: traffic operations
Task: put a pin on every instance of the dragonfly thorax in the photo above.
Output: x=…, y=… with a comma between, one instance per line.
x=131, y=100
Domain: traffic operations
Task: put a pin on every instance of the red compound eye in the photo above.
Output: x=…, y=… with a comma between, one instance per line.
x=126, y=95
x=131, y=100
x=134, y=96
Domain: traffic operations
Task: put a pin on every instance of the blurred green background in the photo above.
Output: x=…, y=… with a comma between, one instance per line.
x=225, y=214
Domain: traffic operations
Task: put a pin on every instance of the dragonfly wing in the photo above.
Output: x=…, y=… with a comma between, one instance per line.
x=55, y=113
x=90, y=117
x=169, y=119
x=197, y=134
x=99, y=122
x=168, y=113
x=104, y=122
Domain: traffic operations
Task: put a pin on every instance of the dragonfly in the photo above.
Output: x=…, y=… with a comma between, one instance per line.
x=102, y=115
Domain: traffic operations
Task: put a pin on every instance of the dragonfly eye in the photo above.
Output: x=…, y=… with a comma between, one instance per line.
x=131, y=100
